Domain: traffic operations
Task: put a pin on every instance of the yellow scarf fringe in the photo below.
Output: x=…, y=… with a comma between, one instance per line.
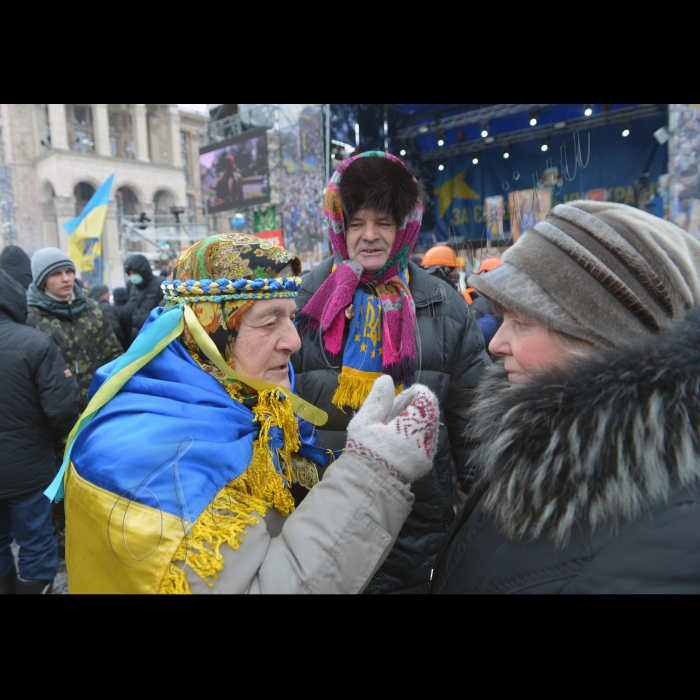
x=354, y=387
x=257, y=489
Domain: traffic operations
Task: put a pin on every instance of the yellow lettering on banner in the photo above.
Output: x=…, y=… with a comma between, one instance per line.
x=630, y=199
x=619, y=194
x=372, y=323
x=478, y=213
x=459, y=216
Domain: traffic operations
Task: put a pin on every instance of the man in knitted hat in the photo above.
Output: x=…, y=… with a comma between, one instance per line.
x=59, y=308
x=76, y=324
x=589, y=460
x=368, y=311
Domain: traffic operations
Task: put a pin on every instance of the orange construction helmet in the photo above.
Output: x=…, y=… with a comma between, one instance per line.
x=439, y=255
x=488, y=264
x=467, y=294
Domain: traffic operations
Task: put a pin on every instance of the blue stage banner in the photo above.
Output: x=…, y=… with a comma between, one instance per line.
x=614, y=170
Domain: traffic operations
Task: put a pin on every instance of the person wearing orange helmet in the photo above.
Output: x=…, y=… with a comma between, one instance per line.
x=441, y=262
x=488, y=321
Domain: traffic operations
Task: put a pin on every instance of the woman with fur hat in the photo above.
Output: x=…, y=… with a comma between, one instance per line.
x=185, y=471
x=589, y=460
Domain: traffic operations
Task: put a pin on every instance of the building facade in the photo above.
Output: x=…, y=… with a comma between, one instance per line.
x=54, y=157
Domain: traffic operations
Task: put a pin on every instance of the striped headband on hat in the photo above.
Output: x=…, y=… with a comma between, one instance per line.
x=598, y=271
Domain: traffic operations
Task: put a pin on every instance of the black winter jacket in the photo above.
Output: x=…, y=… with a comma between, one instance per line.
x=590, y=478
x=38, y=395
x=143, y=298
x=110, y=313
x=451, y=358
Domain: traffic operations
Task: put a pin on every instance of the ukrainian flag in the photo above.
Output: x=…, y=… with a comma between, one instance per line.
x=87, y=228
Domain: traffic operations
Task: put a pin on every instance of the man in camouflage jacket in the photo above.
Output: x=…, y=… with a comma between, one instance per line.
x=59, y=308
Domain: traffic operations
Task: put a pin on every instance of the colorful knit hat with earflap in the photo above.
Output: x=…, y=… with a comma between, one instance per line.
x=220, y=278
x=324, y=315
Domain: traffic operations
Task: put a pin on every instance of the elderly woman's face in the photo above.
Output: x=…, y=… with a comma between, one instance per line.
x=266, y=339
x=527, y=347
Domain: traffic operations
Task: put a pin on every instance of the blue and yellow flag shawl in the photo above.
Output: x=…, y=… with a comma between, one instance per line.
x=162, y=448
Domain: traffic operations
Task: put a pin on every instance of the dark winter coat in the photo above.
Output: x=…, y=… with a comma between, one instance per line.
x=80, y=330
x=143, y=298
x=17, y=264
x=110, y=313
x=38, y=395
x=451, y=357
x=591, y=478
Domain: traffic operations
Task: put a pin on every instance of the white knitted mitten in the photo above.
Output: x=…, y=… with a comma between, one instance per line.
x=400, y=433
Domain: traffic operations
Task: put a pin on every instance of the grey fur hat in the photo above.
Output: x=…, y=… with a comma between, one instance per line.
x=46, y=261
x=598, y=271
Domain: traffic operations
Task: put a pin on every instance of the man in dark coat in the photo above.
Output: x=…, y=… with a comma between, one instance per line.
x=144, y=291
x=16, y=263
x=39, y=397
x=100, y=293
x=375, y=220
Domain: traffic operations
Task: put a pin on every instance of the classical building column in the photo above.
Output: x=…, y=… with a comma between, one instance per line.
x=141, y=133
x=101, y=120
x=57, y=122
x=174, y=128
x=111, y=253
x=65, y=211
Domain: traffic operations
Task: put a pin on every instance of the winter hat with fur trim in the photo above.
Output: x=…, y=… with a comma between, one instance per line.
x=598, y=271
x=46, y=261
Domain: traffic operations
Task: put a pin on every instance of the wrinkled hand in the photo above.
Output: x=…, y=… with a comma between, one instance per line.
x=400, y=433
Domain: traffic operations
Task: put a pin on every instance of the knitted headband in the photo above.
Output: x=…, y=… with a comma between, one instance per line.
x=233, y=267
x=598, y=271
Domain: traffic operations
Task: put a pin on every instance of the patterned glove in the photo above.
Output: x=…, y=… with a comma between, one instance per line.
x=400, y=433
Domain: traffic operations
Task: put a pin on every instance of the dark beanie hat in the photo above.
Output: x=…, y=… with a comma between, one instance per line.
x=97, y=290
x=16, y=263
x=46, y=261
x=598, y=271
x=120, y=295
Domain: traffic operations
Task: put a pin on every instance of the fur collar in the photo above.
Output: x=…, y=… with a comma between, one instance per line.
x=593, y=444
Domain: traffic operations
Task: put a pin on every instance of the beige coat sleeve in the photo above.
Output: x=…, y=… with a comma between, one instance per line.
x=334, y=542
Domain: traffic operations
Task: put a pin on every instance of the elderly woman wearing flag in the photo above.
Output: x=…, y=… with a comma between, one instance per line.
x=194, y=467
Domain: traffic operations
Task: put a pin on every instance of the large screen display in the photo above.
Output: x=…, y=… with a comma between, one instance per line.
x=234, y=172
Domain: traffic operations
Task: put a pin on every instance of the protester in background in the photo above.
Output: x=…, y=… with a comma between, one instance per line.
x=100, y=293
x=16, y=263
x=39, y=397
x=489, y=321
x=144, y=291
x=441, y=262
x=228, y=522
x=589, y=457
x=59, y=308
x=372, y=312
x=84, y=336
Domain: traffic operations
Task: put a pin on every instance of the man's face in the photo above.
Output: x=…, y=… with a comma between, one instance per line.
x=60, y=284
x=369, y=237
x=266, y=340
